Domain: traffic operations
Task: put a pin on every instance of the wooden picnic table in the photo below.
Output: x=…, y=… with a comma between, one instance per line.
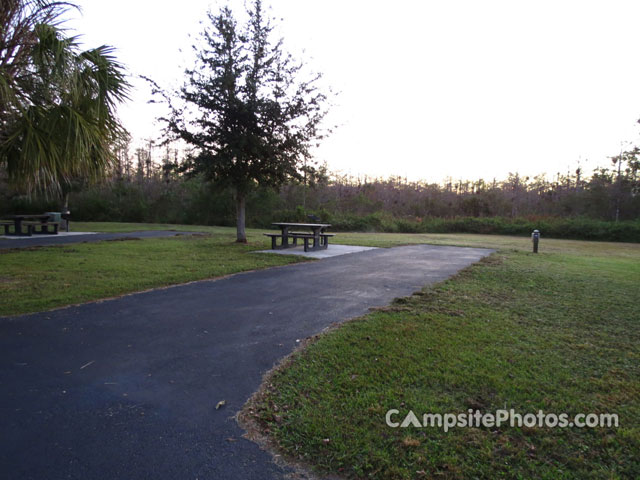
x=318, y=236
x=30, y=222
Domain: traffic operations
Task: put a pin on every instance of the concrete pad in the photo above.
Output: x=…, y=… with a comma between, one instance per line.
x=331, y=251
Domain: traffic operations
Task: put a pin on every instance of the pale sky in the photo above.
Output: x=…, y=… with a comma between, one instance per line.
x=428, y=89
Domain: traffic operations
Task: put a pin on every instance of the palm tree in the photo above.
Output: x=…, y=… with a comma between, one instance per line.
x=57, y=102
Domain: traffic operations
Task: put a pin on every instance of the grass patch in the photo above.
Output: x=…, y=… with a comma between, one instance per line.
x=369, y=239
x=42, y=278
x=556, y=332
x=113, y=227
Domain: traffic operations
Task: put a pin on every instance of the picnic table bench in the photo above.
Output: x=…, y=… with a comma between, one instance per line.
x=316, y=239
x=26, y=225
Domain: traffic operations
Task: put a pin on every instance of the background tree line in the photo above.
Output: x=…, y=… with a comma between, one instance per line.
x=571, y=205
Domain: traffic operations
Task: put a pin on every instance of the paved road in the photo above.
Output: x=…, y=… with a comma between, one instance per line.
x=49, y=240
x=127, y=388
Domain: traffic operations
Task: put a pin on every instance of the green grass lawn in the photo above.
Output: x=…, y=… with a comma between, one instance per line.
x=369, y=239
x=111, y=227
x=556, y=332
x=42, y=278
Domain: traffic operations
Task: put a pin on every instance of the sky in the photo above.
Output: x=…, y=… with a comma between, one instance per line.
x=426, y=89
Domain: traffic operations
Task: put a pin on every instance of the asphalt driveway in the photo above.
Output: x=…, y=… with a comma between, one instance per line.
x=127, y=388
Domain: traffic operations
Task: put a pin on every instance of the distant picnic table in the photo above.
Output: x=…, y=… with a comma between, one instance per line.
x=315, y=237
x=26, y=225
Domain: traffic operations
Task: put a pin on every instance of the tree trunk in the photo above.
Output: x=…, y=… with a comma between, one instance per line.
x=240, y=214
x=65, y=209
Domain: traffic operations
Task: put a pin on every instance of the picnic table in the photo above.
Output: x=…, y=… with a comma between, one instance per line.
x=315, y=239
x=26, y=225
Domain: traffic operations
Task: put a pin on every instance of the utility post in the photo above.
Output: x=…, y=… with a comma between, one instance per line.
x=535, y=238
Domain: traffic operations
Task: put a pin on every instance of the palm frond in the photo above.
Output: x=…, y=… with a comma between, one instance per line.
x=58, y=105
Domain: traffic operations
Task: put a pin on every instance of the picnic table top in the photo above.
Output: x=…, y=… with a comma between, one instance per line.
x=306, y=225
